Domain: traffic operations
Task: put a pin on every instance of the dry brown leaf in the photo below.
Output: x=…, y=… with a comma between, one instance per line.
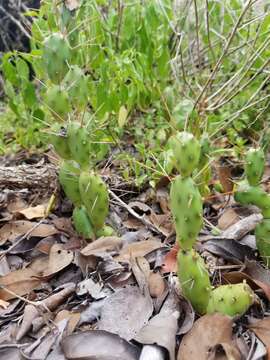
x=14, y=229
x=157, y=284
x=4, y=304
x=262, y=329
x=225, y=177
x=16, y=204
x=23, y=281
x=59, y=258
x=103, y=244
x=236, y=277
x=34, y=212
x=73, y=320
x=163, y=198
x=162, y=222
x=206, y=333
x=170, y=261
x=228, y=218
x=138, y=249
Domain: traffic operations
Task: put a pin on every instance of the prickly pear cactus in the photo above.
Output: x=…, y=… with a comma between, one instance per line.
x=194, y=279
x=254, y=195
x=56, y=56
x=254, y=167
x=82, y=223
x=95, y=197
x=186, y=149
x=79, y=145
x=262, y=233
x=105, y=231
x=76, y=83
x=58, y=102
x=58, y=138
x=69, y=179
x=232, y=300
x=186, y=207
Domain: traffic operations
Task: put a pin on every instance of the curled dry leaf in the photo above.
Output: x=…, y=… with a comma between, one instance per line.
x=170, y=261
x=207, y=332
x=126, y=312
x=97, y=344
x=157, y=284
x=228, y=218
x=31, y=312
x=73, y=319
x=14, y=229
x=59, y=258
x=34, y=212
x=167, y=320
x=262, y=329
x=23, y=281
x=138, y=249
x=103, y=244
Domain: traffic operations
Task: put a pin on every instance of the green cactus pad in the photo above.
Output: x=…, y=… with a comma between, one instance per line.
x=186, y=207
x=186, y=149
x=194, y=279
x=232, y=300
x=69, y=179
x=58, y=138
x=76, y=83
x=57, y=102
x=254, y=167
x=262, y=233
x=79, y=143
x=82, y=223
x=56, y=55
x=95, y=197
x=253, y=195
x=105, y=231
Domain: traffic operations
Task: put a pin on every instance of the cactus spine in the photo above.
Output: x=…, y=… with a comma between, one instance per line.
x=250, y=192
x=186, y=207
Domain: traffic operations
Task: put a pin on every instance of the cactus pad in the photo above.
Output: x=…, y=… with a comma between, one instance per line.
x=105, y=231
x=76, y=82
x=254, y=195
x=186, y=206
x=69, y=179
x=57, y=102
x=58, y=138
x=262, y=233
x=186, y=149
x=56, y=55
x=95, y=197
x=194, y=279
x=254, y=167
x=82, y=223
x=232, y=300
x=79, y=144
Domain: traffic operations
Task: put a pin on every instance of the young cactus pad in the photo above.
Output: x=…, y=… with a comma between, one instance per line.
x=76, y=82
x=82, y=223
x=57, y=102
x=262, y=233
x=232, y=300
x=56, y=55
x=69, y=180
x=79, y=144
x=254, y=167
x=186, y=207
x=254, y=195
x=58, y=138
x=186, y=149
x=95, y=197
x=194, y=279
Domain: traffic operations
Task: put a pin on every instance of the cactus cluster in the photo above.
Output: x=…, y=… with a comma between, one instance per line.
x=84, y=188
x=250, y=192
x=187, y=209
